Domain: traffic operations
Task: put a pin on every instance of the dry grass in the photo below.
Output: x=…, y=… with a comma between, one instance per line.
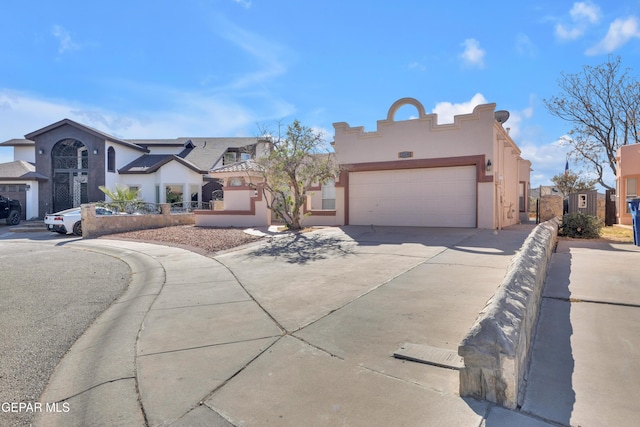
x=617, y=234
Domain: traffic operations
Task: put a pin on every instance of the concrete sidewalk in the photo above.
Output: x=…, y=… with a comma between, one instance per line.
x=294, y=331
x=585, y=367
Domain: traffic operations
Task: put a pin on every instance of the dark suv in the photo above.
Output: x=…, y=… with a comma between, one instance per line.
x=10, y=210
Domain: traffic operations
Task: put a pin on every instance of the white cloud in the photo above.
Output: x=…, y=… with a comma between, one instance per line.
x=64, y=38
x=546, y=160
x=191, y=114
x=244, y=3
x=415, y=65
x=446, y=110
x=267, y=54
x=583, y=14
x=524, y=45
x=585, y=11
x=620, y=32
x=565, y=33
x=473, y=54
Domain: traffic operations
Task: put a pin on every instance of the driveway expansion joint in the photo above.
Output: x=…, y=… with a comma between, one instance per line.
x=93, y=387
x=213, y=304
x=178, y=350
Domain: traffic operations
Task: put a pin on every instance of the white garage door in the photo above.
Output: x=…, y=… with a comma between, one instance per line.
x=433, y=197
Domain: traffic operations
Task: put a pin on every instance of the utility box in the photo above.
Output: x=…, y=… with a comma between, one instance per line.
x=586, y=203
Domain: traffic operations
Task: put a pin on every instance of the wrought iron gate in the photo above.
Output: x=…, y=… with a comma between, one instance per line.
x=70, y=174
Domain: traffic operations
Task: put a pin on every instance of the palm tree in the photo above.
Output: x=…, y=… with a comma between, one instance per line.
x=123, y=198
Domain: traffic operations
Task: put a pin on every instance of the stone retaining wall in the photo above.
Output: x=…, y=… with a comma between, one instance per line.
x=496, y=349
x=551, y=206
x=100, y=225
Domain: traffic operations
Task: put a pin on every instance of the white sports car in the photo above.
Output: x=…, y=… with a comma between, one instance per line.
x=69, y=221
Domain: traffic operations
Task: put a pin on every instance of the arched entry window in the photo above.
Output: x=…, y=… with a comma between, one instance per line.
x=111, y=160
x=70, y=161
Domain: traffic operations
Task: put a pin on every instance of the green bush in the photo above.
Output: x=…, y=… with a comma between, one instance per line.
x=581, y=226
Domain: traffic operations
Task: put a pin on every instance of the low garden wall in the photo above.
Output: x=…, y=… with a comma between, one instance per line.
x=496, y=350
x=100, y=225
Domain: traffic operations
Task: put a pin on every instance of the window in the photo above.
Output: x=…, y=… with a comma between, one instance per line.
x=632, y=191
x=111, y=160
x=235, y=182
x=194, y=190
x=173, y=193
x=521, y=197
x=229, y=158
x=135, y=188
x=245, y=156
x=329, y=195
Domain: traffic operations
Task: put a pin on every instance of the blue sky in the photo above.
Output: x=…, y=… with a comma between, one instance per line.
x=164, y=69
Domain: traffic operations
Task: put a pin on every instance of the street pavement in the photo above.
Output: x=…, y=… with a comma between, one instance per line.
x=301, y=330
x=46, y=302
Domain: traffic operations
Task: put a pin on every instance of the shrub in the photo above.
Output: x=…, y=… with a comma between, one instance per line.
x=580, y=225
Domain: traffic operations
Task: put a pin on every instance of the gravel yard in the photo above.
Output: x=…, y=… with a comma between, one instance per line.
x=197, y=239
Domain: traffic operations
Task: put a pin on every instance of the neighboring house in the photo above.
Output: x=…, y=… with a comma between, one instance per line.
x=627, y=180
x=19, y=180
x=468, y=173
x=66, y=162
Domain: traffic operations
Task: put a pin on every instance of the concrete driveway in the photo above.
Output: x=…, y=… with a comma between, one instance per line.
x=346, y=299
x=296, y=330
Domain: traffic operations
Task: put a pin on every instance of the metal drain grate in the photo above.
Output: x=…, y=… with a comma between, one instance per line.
x=422, y=353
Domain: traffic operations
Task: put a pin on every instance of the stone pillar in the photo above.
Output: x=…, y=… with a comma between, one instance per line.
x=88, y=217
x=550, y=207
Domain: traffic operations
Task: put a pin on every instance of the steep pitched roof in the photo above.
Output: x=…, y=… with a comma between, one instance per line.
x=247, y=167
x=205, y=153
x=87, y=129
x=150, y=163
x=20, y=170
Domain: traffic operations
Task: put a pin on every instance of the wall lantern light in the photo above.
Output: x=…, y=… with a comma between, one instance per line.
x=41, y=151
x=489, y=166
x=95, y=151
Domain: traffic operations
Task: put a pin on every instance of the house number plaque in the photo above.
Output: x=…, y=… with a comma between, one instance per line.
x=405, y=154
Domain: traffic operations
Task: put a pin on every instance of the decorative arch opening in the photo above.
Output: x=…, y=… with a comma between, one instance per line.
x=70, y=165
x=401, y=103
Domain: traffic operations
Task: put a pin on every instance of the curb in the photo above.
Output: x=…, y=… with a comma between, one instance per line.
x=96, y=379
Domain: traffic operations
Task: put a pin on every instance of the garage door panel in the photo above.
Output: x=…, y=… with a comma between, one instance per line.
x=432, y=197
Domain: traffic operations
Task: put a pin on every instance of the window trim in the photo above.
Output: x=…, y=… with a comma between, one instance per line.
x=330, y=184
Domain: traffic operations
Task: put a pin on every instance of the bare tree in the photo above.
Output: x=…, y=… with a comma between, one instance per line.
x=602, y=105
x=569, y=182
x=296, y=160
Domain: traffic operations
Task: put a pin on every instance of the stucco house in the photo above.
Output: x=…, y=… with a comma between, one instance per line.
x=417, y=172
x=62, y=165
x=627, y=180
x=19, y=180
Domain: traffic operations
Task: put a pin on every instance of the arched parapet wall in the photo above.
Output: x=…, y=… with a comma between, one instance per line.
x=428, y=121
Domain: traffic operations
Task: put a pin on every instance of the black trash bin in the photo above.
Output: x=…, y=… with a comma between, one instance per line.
x=635, y=216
